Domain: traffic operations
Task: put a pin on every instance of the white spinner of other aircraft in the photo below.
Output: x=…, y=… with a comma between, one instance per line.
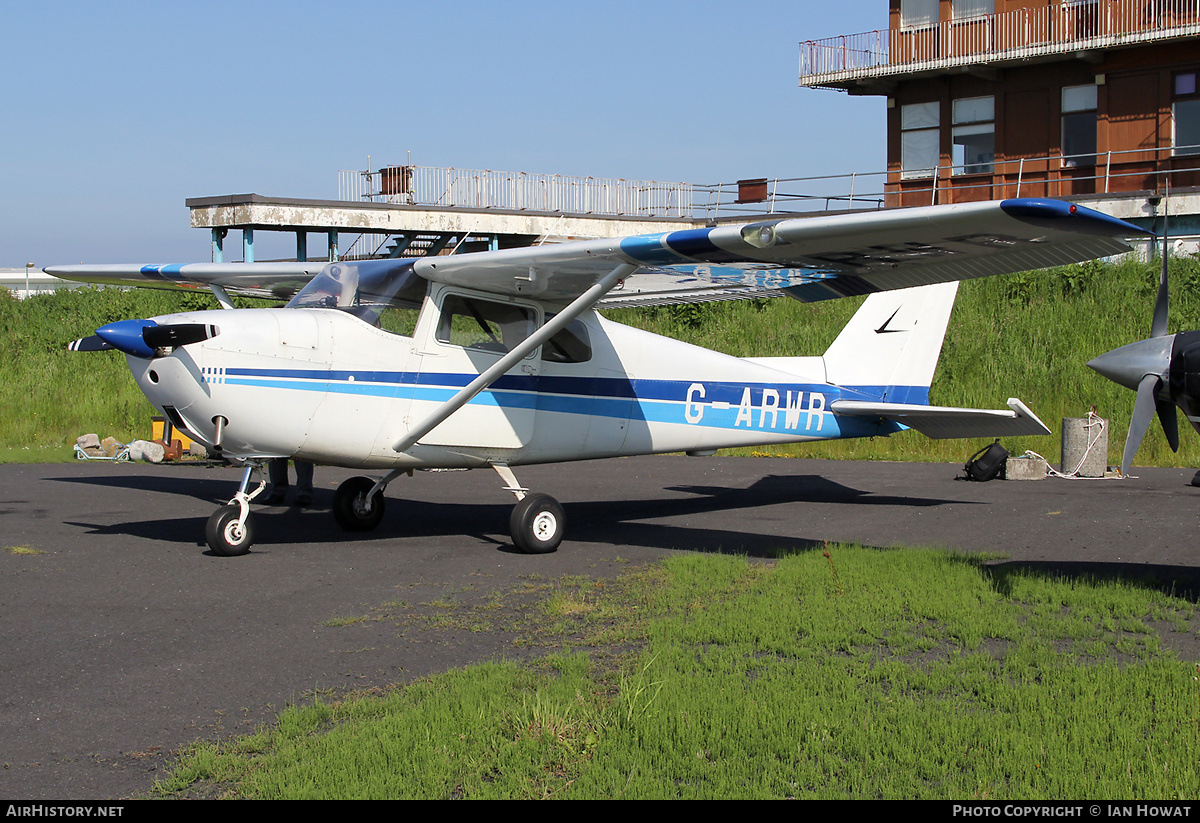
x=499, y=359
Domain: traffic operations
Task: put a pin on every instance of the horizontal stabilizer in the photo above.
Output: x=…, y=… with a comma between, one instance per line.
x=944, y=422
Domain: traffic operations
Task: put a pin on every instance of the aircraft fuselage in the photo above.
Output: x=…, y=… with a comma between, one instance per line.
x=323, y=385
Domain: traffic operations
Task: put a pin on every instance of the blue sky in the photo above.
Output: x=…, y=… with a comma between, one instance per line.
x=115, y=113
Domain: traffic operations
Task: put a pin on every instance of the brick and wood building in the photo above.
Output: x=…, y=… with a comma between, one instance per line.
x=1003, y=98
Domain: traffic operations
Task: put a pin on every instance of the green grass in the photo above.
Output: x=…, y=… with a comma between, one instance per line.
x=849, y=673
x=1024, y=335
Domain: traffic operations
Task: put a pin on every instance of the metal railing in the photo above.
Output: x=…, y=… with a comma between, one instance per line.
x=1058, y=28
x=1049, y=175
x=1053, y=175
x=517, y=191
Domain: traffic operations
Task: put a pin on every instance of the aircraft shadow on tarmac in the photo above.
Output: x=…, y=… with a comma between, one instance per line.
x=610, y=522
x=216, y=489
x=618, y=523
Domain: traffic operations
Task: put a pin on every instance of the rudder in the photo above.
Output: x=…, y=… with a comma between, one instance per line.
x=891, y=345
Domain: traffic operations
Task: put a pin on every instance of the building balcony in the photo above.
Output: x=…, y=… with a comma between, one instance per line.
x=1065, y=28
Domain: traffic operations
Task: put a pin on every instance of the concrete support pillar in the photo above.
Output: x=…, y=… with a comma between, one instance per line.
x=1084, y=446
x=247, y=245
x=301, y=247
x=218, y=245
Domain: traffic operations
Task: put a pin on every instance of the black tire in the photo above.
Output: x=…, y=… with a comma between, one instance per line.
x=223, y=535
x=351, y=508
x=537, y=524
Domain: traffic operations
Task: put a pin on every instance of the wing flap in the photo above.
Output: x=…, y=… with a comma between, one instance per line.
x=945, y=422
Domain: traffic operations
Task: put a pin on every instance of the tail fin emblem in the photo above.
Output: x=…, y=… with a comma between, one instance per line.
x=884, y=328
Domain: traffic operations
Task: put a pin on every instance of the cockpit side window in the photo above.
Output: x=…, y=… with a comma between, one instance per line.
x=483, y=324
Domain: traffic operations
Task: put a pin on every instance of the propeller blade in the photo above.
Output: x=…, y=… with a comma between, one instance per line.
x=1143, y=411
x=1169, y=421
x=90, y=343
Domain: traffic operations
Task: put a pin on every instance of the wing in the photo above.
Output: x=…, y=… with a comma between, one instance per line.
x=272, y=280
x=808, y=258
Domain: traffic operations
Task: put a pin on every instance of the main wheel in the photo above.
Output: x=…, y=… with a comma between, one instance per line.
x=537, y=524
x=352, y=510
x=225, y=537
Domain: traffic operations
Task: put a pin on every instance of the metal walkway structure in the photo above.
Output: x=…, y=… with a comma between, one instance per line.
x=410, y=211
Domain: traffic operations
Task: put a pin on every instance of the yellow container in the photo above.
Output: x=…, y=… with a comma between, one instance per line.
x=159, y=424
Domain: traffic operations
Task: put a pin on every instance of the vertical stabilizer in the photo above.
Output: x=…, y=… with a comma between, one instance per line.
x=891, y=346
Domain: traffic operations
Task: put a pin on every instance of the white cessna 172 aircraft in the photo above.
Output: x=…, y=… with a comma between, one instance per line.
x=500, y=359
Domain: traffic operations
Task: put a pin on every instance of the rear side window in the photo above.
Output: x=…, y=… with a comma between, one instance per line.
x=484, y=325
x=570, y=345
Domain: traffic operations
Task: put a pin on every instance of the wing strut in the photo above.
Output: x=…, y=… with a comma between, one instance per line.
x=577, y=307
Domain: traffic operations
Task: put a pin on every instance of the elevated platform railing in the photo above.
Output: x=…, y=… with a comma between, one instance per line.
x=1021, y=34
x=516, y=191
x=1112, y=172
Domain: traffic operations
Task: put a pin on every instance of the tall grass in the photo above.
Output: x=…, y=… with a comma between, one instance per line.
x=48, y=395
x=1025, y=335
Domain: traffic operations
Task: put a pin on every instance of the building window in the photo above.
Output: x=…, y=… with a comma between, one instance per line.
x=974, y=135
x=1078, y=126
x=916, y=14
x=1185, y=114
x=969, y=9
x=919, y=139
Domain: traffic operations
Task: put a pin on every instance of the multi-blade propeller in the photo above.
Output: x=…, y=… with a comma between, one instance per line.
x=1155, y=368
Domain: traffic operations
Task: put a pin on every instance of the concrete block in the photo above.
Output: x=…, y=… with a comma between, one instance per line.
x=1026, y=468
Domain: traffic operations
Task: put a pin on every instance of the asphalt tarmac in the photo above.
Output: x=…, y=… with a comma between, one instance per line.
x=124, y=638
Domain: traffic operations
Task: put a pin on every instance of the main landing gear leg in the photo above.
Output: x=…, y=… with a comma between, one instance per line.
x=537, y=521
x=358, y=502
x=230, y=530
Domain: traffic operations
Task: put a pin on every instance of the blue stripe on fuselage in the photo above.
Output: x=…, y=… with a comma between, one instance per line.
x=715, y=404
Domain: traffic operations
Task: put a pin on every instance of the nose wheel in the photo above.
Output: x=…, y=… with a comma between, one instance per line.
x=227, y=534
x=230, y=530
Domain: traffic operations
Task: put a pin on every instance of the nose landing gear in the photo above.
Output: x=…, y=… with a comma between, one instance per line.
x=230, y=530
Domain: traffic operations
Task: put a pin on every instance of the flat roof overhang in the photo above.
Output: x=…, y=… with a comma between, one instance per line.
x=255, y=211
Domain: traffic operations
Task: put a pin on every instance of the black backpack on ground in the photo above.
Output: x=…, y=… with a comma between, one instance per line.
x=987, y=463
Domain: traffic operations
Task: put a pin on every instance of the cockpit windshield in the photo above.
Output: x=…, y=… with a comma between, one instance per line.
x=364, y=288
